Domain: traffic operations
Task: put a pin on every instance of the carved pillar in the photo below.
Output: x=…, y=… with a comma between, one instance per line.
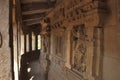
x=68, y=50
x=47, y=56
x=89, y=53
x=98, y=52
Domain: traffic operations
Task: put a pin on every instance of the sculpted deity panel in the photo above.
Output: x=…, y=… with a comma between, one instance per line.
x=79, y=48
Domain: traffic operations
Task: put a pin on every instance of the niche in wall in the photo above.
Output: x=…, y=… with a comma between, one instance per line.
x=79, y=48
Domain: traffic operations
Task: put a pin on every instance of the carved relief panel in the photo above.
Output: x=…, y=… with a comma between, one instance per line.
x=84, y=62
x=79, y=49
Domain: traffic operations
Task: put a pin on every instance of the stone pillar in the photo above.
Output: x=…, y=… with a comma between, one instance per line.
x=22, y=44
x=30, y=41
x=98, y=52
x=33, y=42
x=89, y=53
x=68, y=50
x=36, y=42
x=25, y=43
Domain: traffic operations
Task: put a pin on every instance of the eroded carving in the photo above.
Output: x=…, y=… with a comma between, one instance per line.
x=79, y=48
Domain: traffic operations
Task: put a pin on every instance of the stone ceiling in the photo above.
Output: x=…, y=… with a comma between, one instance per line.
x=34, y=10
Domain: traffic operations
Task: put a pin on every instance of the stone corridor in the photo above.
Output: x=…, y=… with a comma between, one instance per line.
x=59, y=39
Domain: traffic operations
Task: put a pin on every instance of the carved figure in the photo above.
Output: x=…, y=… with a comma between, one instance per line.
x=79, y=48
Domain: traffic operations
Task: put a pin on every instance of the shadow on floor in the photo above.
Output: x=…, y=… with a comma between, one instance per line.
x=30, y=67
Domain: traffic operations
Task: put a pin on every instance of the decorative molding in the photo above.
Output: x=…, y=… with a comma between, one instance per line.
x=90, y=13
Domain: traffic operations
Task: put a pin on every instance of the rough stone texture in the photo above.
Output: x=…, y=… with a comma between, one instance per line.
x=5, y=61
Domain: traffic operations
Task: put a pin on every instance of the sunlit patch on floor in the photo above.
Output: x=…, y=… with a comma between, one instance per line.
x=32, y=78
x=29, y=69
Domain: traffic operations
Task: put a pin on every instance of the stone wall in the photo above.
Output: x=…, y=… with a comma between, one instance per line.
x=85, y=41
x=111, y=60
x=5, y=60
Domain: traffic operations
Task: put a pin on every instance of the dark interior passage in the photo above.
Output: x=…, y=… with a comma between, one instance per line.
x=30, y=66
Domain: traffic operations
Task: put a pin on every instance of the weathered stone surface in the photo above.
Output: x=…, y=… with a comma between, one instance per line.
x=80, y=41
x=102, y=40
x=5, y=61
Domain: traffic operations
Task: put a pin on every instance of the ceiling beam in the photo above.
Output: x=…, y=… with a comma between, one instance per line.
x=30, y=1
x=32, y=19
x=29, y=23
x=36, y=6
x=33, y=16
x=36, y=11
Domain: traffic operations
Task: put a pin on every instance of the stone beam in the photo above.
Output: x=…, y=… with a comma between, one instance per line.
x=33, y=16
x=32, y=19
x=36, y=6
x=33, y=22
x=36, y=11
x=30, y=1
